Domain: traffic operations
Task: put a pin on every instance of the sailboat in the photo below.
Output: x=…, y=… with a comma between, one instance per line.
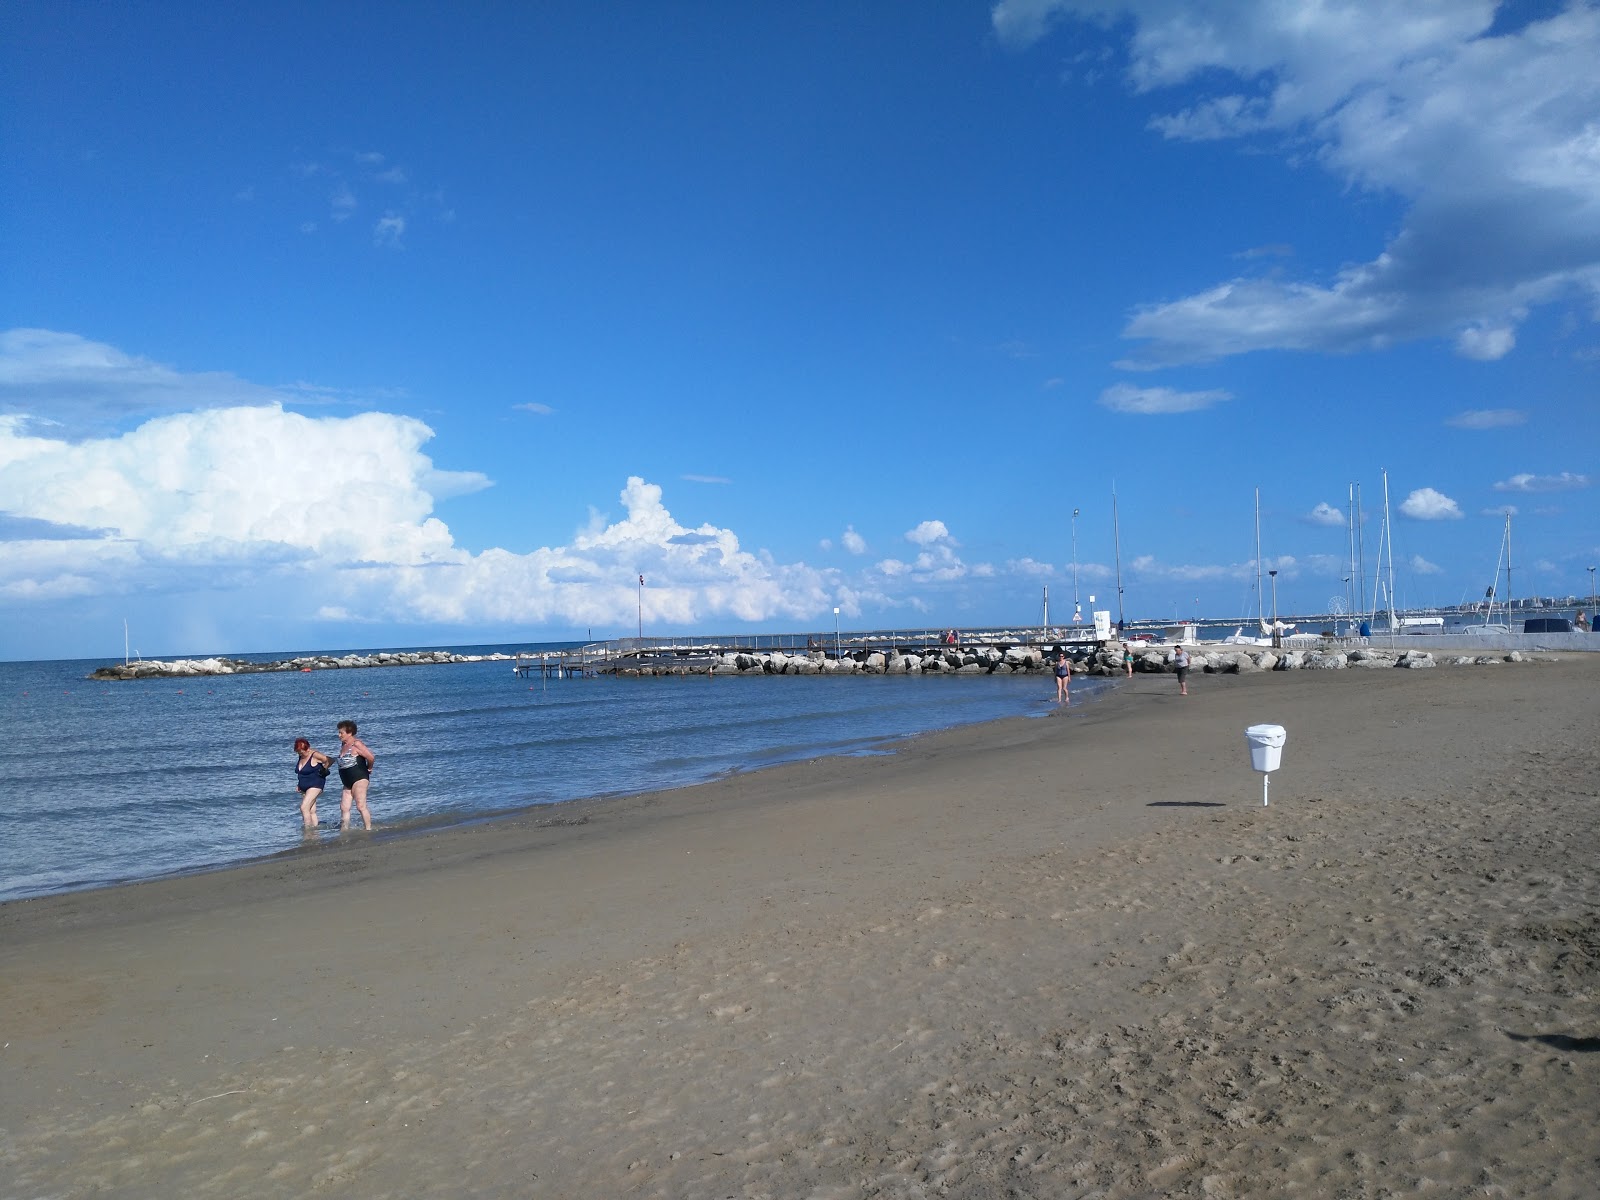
x=1239, y=637
x=1489, y=625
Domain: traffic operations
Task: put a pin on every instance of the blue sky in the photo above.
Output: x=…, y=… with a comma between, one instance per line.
x=418, y=324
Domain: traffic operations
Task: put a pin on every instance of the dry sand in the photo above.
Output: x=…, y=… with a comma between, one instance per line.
x=1055, y=958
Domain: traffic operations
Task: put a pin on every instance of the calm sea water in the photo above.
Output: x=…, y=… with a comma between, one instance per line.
x=111, y=782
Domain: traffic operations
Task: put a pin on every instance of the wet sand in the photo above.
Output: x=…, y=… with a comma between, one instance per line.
x=1062, y=957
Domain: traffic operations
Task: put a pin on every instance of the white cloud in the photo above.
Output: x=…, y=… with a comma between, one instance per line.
x=228, y=500
x=1422, y=566
x=1325, y=514
x=1488, y=139
x=705, y=479
x=1487, y=418
x=1504, y=510
x=853, y=541
x=1486, y=343
x=534, y=407
x=929, y=532
x=391, y=227
x=1425, y=504
x=1125, y=398
x=85, y=385
x=1566, y=481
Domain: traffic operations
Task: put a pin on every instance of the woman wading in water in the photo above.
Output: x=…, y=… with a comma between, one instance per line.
x=355, y=772
x=311, y=775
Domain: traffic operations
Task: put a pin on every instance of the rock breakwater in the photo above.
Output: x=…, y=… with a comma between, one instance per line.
x=187, y=667
x=1107, y=660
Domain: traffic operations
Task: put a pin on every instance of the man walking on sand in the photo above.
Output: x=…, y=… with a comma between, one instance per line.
x=1180, y=660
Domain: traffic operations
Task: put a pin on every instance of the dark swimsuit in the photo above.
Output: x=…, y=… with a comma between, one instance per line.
x=352, y=768
x=310, y=775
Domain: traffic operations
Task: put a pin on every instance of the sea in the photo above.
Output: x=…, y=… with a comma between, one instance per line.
x=112, y=782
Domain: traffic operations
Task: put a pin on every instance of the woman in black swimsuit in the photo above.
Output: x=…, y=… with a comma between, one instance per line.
x=311, y=774
x=355, y=772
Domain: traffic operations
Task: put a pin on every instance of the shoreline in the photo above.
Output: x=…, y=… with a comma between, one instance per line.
x=554, y=815
x=913, y=971
x=552, y=812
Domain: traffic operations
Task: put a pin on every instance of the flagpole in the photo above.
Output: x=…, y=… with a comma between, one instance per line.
x=641, y=608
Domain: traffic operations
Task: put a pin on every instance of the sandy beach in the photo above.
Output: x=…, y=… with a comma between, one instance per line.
x=1063, y=957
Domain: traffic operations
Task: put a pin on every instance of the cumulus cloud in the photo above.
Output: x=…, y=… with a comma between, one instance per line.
x=928, y=533
x=1426, y=504
x=1487, y=418
x=1485, y=134
x=219, y=505
x=226, y=499
x=1566, y=481
x=1422, y=566
x=1325, y=514
x=1125, y=398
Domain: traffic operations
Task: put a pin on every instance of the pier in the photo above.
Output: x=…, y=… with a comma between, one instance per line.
x=698, y=654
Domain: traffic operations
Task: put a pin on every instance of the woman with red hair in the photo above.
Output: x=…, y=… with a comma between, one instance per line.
x=311, y=775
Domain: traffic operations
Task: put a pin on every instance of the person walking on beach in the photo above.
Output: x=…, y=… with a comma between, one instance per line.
x=1063, y=679
x=311, y=776
x=355, y=773
x=1180, y=660
x=1127, y=659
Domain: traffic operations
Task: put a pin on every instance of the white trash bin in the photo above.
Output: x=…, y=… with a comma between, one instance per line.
x=1266, y=746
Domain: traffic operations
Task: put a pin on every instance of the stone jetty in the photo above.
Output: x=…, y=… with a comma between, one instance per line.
x=187, y=667
x=949, y=660
x=1106, y=660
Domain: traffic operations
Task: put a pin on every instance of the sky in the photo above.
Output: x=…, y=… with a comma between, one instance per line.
x=386, y=325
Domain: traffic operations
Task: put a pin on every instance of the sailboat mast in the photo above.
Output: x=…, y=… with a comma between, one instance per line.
x=1350, y=593
x=1261, y=609
x=1388, y=537
x=1361, y=549
x=1511, y=595
x=1116, y=539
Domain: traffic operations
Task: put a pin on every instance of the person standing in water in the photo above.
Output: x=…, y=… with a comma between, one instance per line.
x=356, y=761
x=1063, y=679
x=311, y=776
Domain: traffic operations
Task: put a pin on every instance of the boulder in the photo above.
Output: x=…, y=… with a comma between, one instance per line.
x=1415, y=660
x=1371, y=662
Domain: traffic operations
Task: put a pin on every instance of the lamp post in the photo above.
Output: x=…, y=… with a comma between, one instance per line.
x=836, y=633
x=1591, y=590
x=1277, y=636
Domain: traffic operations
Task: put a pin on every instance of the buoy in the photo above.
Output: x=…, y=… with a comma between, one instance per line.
x=305, y=670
